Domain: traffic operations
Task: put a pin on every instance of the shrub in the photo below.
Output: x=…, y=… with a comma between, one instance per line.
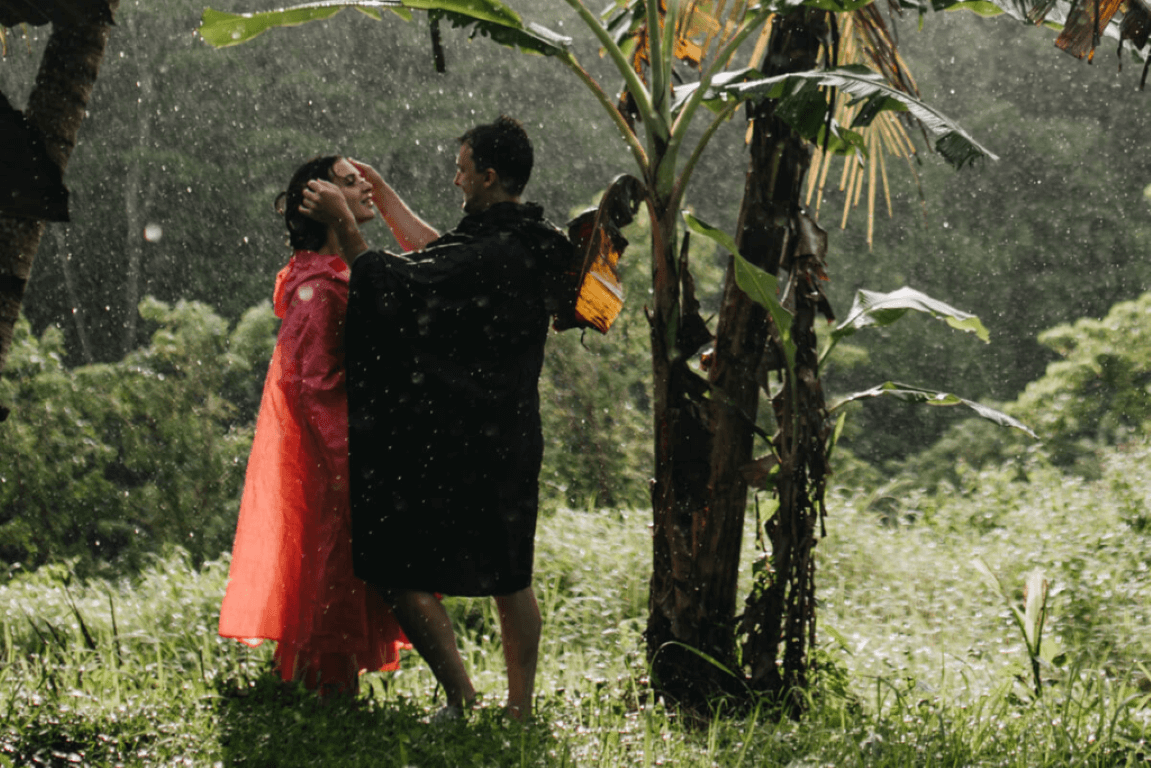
x=106, y=462
x=1097, y=394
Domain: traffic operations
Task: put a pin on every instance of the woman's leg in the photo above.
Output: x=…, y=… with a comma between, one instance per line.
x=335, y=674
x=426, y=623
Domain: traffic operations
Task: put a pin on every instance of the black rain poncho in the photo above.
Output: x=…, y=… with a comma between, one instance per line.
x=444, y=349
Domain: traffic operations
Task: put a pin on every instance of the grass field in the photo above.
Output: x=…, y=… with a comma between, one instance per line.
x=922, y=661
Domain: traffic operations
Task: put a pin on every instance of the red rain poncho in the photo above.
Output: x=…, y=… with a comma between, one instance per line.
x=291, y=576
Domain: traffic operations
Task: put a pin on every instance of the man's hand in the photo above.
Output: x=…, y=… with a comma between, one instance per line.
x=371, y=174
x=324, y=203
x=410, y=231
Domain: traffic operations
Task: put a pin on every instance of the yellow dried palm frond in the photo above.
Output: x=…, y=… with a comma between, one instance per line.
x=707, y=25
x=866, y=39
x=704, y=27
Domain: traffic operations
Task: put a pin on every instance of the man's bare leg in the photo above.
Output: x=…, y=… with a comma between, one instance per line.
x=520, y=629
x=426, y=623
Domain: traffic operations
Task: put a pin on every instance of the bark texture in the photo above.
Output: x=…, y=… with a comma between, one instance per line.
x=135, y=198
x=781, y=607
x=704, y=444
x=56, y=107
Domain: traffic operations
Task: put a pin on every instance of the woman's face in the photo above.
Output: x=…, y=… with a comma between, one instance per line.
x=356, y=190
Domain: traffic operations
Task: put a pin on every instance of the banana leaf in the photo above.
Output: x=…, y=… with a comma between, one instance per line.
x=763, y=288
x=872, y=308
x=912, y=394
x=955, y=145
x=491, y=18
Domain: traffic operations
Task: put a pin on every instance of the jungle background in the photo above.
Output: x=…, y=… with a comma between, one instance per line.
x=135, y=382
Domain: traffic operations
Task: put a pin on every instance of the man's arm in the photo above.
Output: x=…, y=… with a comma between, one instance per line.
x=412, y=232
x=324, y=203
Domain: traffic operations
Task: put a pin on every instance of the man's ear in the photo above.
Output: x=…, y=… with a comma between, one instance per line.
x=491, y=178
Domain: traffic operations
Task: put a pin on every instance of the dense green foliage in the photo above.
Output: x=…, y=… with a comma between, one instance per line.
x=1096, y=392
x=109, y=461
x=1056, y=230
x=198, y=141
x=1093, y=396
x=919, y=656
x=129, y=449
x=596, y=414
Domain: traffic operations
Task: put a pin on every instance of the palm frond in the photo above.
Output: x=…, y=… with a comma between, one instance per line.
x=1084, y=27
x=865, y=38
x=913, y=394
x=865, y=126
x=490, y=18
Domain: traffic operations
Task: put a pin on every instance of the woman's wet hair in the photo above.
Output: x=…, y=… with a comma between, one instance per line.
x=305, y=234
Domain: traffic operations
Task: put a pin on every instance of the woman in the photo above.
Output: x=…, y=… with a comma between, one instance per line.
x=291, y=576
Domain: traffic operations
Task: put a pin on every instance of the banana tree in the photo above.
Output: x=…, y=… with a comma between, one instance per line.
x=703, y=421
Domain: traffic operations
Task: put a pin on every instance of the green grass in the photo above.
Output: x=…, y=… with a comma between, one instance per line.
x=921, y=662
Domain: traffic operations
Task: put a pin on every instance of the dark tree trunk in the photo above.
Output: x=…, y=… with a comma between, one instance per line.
x=56, y=108
x=703, y=445
x=682, y=612
x=135, y=196
x=781, y=607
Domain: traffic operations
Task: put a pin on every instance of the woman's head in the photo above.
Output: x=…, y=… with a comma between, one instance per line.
x=306, y=234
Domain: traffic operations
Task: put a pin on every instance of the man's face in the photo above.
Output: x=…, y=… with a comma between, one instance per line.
x=476, y=185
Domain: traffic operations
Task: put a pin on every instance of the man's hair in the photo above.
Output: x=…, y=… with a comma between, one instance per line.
x=503, y=146
x=305, y=234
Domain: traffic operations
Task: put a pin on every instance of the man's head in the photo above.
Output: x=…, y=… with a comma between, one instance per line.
x=494, y=164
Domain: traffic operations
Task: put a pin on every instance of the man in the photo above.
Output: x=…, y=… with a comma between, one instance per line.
x=444, y=347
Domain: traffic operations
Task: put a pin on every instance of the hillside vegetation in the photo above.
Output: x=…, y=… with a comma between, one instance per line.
x=982, y=593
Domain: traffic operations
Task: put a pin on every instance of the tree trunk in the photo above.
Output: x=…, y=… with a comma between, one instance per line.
x=134, y=200
x=56, y=107
x=681, y=614
x=61, y=233
x=776, y=233
x=702, y=445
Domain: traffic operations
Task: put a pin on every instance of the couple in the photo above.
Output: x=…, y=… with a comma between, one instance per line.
x=436, y=445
